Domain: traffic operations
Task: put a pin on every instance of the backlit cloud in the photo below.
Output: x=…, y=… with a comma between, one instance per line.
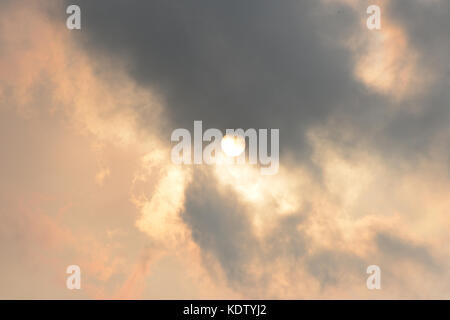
x=87, y=178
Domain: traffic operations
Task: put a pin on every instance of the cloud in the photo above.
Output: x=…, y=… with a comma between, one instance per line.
x=85, y=129
x=68, y=123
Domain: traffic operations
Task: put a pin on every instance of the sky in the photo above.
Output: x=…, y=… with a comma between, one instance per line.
x=87, y=177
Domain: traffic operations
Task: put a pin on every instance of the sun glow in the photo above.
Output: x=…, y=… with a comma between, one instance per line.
x=233, y=145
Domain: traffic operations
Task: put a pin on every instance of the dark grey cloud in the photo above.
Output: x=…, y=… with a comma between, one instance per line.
x=266, y=64
x=427, y=26
x=272, y=64
x=220, y=226
x=330, y=267
x=398, y=249
x=258, y=64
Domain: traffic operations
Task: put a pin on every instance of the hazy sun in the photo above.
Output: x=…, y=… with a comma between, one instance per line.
x=233, y=145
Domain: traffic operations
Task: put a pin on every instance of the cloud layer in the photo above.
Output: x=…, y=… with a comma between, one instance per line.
x=364, y=141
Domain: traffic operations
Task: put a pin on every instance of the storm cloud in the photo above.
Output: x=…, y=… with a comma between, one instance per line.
x=364, y=143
